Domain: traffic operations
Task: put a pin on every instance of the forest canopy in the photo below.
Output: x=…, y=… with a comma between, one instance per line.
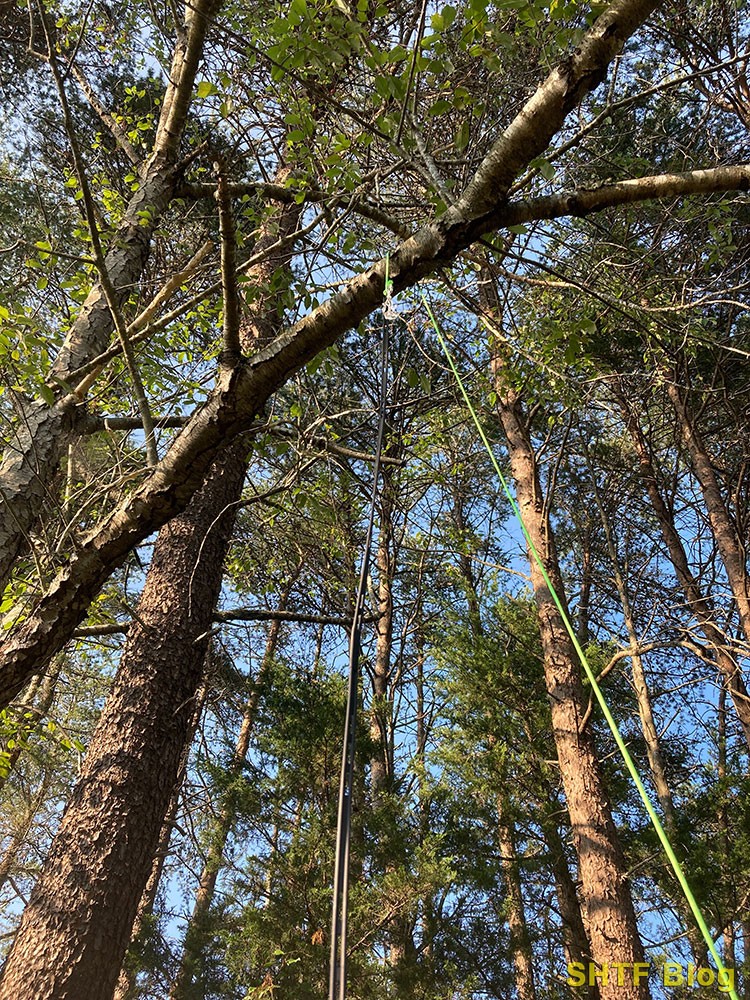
x=213, y=218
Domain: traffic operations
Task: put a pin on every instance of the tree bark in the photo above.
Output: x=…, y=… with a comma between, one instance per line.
x=728, y=542
x=125, y=989
x=610, y=916
x=76, y=928
x=381, y=766
x=101, y=857
x=187, y=984
x=650, y=732
x=575, y=939
x=242, y=390
x=520, y=944
x=42, y=437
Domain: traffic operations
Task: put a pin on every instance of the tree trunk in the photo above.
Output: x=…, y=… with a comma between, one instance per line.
x=575, y=939
x=520, y=945
x=42, y=437
x=101, y=858
x=729, y=544
x=722, y=818
x=380, y=723
x=514, y=905
x=76, y=928
x=42, y=691
x=241, y=391
x=650, y=733
x=699, y=604
x=126, y=980
x=19, y=835
x=610, y=916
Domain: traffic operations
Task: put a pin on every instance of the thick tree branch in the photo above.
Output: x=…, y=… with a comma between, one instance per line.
x=241, y=392
x=118, y=133
x=584, y=201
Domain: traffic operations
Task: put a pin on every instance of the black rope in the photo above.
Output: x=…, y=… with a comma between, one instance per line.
x=337, y=975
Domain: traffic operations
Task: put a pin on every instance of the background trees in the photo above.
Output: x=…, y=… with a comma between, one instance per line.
x=202, y=209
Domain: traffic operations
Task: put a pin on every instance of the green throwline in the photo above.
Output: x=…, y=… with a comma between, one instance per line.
x=657, y=824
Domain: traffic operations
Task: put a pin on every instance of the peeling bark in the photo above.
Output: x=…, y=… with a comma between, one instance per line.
x=41, y=438
x=77, y=925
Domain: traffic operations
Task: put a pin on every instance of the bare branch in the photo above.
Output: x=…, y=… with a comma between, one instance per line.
x=584, y=201
x=116, y=130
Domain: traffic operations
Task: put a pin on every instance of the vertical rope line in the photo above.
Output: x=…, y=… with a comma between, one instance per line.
x=340, y=914
x=630, y=764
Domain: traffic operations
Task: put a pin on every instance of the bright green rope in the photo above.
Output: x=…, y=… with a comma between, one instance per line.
x=676, y=866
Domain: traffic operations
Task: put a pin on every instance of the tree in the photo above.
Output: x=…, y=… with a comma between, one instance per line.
x=243, y=389
x=287, y=106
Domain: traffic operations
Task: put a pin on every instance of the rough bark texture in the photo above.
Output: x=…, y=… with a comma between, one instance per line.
x=243, y=390
x=126, y=989
x=76, y=926
x=610, y=917
x=575, y=940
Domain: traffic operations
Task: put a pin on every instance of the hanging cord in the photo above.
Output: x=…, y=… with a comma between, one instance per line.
x=629, y=762
x=337, y=973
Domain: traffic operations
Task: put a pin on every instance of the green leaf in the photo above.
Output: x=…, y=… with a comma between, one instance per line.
x=46, y=393
x=462, y=135
x=440, y=106
x=206, y=89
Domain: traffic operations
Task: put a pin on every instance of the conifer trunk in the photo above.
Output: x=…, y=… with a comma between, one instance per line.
x=610, y=916
x=699, y=604
x=76, y=927
x=520, y=944
x=575, y=940
x=101, y=858
x=126, y=980
x=728, y=542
